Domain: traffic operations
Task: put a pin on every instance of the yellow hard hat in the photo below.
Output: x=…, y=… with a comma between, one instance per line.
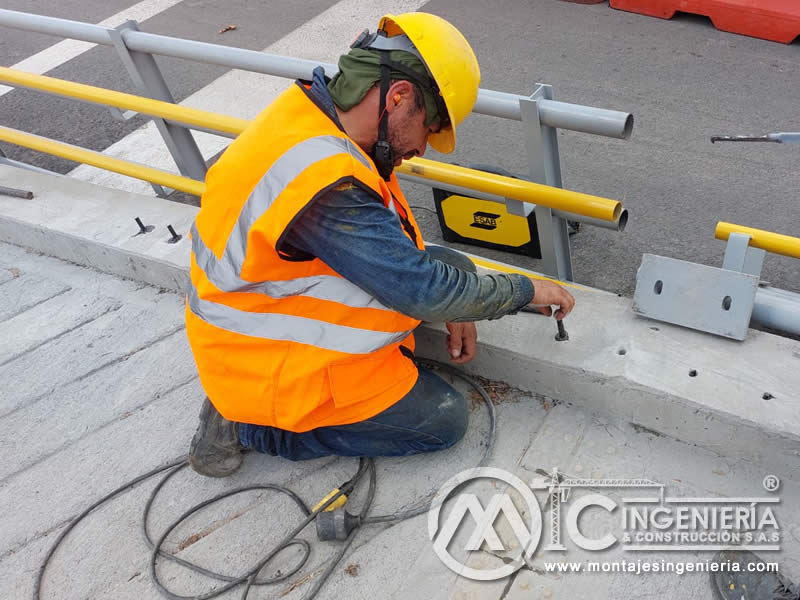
x=450, y=61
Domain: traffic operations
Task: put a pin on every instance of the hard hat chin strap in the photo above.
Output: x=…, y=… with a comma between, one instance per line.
x=382, y=151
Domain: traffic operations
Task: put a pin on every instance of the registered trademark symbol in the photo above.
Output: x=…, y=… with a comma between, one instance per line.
x=771, y=483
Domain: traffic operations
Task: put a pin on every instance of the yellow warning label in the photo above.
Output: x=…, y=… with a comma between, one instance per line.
x=485, y=220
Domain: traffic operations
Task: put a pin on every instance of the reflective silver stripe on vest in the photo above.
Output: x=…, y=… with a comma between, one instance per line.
x=288, y=328
x=225, y=273
x=321, y=287
x=282, y=172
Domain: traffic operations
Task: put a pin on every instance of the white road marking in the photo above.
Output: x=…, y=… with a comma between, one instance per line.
x=244, y=94
x=65, y=50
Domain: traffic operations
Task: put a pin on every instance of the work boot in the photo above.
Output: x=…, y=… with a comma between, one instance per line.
x=215, y=450
x=744, y=585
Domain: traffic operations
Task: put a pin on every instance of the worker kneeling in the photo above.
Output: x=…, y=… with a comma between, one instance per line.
x=309, y=274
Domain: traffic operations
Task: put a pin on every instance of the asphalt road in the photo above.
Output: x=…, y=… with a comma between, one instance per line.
x=682, y=79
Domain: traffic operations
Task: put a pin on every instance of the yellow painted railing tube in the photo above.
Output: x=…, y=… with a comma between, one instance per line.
x=96, y=159
x=156, y=108
x=508, y=187
x=766, y=240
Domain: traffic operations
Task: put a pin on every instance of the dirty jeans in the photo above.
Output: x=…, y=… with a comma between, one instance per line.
x=431, y=416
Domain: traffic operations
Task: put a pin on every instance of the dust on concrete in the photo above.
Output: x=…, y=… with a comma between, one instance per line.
x=501, y=391
x=296, y=584
x=498, y=392
x=642, y=429
x=195, y=537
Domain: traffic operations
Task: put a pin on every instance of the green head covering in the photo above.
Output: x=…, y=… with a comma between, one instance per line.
x=360, y=69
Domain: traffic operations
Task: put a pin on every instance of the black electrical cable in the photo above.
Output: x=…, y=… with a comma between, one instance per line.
x=37, y=585
x=250, y=576
x=422, y=505
x=249, y=579
x=417, y=207
x=346, y=545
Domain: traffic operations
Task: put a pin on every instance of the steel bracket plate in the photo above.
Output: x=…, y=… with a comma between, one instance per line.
x=717, y=301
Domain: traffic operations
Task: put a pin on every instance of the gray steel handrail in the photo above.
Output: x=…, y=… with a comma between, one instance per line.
x=540, y=114
x=553, y=113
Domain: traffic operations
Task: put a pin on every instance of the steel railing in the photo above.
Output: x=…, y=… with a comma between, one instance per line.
x=181, y=115
x=564, y=115
x=776, y=243
x=102, y=161
x=744, y=252
x=539, y=113
x=572, y=204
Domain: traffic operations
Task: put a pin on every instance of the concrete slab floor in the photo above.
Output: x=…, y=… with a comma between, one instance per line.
x=98, y=386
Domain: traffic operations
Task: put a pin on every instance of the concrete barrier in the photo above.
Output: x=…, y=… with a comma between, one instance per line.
x=776, y=20
x=740, y=399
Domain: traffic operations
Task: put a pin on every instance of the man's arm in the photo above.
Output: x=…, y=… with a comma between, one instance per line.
x=363, y=241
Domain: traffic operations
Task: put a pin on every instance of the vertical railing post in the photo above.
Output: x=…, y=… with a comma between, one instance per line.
x=149, y=81
x=740, y=256
x=544, y=166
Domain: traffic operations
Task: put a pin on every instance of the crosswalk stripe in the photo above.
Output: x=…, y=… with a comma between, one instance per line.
x=65, y=50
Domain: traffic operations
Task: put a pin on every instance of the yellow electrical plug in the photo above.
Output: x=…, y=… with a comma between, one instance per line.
x=338, y=503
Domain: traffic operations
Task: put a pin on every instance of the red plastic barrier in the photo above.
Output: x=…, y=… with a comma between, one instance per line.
x=776, y=20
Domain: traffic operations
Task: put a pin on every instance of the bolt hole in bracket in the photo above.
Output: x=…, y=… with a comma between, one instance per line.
x=688, y=294
x=693, y=373
x=726, y=303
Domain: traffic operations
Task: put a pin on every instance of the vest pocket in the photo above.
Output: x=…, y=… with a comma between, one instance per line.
x=366, y=379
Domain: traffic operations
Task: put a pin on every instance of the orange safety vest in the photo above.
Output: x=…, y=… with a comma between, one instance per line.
x=279, y=339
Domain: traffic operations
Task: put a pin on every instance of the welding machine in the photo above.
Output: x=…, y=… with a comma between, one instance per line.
x=487, y=223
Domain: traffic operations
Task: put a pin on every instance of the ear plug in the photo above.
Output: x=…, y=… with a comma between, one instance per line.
x=396, y=99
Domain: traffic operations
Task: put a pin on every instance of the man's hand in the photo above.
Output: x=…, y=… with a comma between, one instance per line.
x=462, y=342
x=547, y=294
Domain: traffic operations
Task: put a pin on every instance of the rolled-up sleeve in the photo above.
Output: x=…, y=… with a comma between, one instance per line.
x=363, y=241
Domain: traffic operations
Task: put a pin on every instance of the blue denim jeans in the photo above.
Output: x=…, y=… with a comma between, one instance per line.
x=432, y=416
